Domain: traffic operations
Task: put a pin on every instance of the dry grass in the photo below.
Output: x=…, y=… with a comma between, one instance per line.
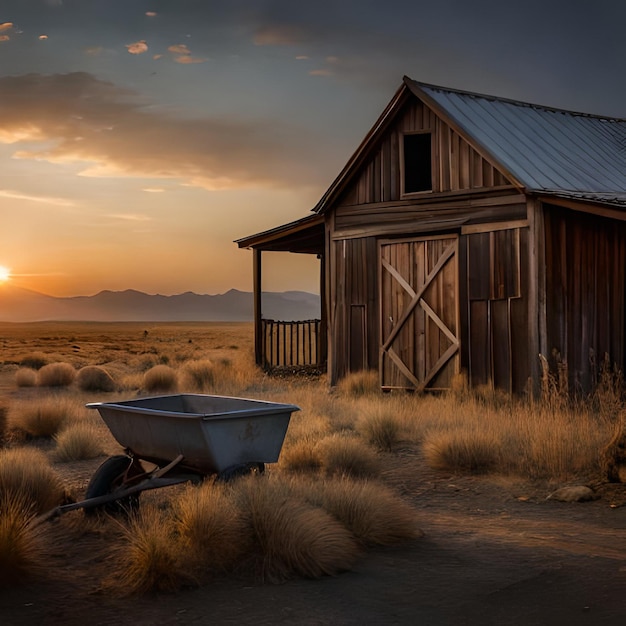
x=35, y=360
x=160, y=378
x=345, y=455
x=77, y=442
x=199, y=375
x=361, y=383
x=22, y=551
x=462, y=450
x=95, y=378
x=381, y=428
x=210, y=527
x=289, y=536
x=44, y=417
x=56, y=375
x=26, y=377
x=26, y=475
x=147, y=558
x=372, y=512
x=301, y=455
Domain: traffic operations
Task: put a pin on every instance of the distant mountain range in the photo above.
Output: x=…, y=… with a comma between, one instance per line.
x=23, y=305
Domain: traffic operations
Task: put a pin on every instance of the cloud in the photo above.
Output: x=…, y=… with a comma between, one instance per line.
x=43, y=36
x=123, y=137
x=18, y=195
x=154, y=189
x=139, y=47
x=188, y=60
x=4, y=38
x=179, y=49
x=151, y=13
x=320, y=73
x=278, y=35
x=6, y=26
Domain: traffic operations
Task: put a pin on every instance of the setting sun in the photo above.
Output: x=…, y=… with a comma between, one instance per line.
x=5, y=273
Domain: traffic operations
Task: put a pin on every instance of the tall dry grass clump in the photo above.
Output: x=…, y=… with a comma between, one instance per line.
x=56, y=375
x=35, y=360
x=199, y=375
x=147, y=560
x=360, y=383
x=43, y=417
x=300, y=455
x=347, y=455
x=463, y=450
x=380, y=427
x=289, y=536
x=160, y=378
x=26, y=474
x=78, y=442
x=26, y=377
x=22, y=550
x=95, y=378
x=372, y=512
x=210, y=527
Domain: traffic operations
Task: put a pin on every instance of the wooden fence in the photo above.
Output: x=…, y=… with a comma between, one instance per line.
x=292, y=344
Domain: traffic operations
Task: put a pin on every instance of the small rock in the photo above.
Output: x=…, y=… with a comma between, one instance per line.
x=575, y=493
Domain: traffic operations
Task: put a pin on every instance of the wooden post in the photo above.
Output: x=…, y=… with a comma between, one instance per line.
x=537, y=323
x=257, y=288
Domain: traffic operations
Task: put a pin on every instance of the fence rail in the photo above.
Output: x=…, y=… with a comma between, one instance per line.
x=291, y=344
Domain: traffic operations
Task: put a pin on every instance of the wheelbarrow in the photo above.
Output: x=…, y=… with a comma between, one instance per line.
x=186, y=437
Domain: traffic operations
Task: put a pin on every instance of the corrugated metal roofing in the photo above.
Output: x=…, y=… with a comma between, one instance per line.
x=545, y=149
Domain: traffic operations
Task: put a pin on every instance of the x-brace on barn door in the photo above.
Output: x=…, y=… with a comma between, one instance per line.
x=419, y=313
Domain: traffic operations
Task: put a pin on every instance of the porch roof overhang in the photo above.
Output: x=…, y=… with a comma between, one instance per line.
x=304, y=236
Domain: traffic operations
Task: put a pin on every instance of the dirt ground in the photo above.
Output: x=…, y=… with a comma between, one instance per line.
x=493, y=552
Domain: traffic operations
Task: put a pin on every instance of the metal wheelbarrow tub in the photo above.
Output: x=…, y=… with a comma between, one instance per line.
x=212, y=433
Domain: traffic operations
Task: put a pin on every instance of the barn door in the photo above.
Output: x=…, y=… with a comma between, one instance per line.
x=420, y=313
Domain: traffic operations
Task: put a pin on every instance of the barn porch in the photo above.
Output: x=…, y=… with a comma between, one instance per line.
x=294, y=344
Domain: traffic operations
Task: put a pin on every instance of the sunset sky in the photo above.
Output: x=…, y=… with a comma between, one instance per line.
x=138, y=138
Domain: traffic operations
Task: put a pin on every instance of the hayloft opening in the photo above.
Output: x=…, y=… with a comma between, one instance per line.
x=417, y=171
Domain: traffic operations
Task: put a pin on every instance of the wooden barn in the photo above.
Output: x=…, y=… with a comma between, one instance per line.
x=467, y=232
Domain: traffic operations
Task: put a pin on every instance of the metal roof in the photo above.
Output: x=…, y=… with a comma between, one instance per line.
x=544, y=149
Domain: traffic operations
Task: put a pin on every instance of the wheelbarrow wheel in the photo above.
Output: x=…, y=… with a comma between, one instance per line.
x=243, y=469
x=107, y=479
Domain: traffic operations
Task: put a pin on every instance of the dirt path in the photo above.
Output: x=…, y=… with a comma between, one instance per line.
x=492, y=553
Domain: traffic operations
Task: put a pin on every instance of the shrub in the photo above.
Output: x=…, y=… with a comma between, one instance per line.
x=94, y=378
x=300, y=456
x=78, y=442
x=56, y=375
x=347, y=455
x=360, y=383
x=35, y=361
x=210, y=527
x=22, y=553
x=289, y=536
x=381, y=429
x=147, y=558
x=26, y=474
x=466, y=450
x=199, y=375
x=160, y=378
x=42, y=418
x=373, y=513
x=25, y=377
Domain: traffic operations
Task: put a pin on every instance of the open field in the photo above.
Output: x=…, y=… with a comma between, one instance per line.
x=472, y=470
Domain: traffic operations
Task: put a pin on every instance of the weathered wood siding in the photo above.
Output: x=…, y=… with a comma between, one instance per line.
x=585, y=288
x=487, y=320
x=495, y=318
x=456, y=165
x=353, y=328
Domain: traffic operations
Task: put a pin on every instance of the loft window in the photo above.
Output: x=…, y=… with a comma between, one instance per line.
x=416, y=150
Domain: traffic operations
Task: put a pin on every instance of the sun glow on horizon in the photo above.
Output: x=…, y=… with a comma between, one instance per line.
x=5, y=274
